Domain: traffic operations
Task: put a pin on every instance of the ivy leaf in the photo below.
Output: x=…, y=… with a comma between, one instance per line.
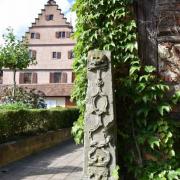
x=134, y=69
x=149, y=69
x=115, y=173
x=164, y=108
x=176, y=97
x=154, y=141
x=130, y=47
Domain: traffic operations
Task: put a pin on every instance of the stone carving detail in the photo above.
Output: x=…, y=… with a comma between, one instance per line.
x=169, y=62
x=100, y=139
x=168, y=26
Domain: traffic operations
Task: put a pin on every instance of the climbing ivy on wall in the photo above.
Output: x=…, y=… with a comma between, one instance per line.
x=146, y=133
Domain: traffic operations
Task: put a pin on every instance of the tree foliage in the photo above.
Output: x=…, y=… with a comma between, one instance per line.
x=14, y=54
x=31, y=98
x=146, y=133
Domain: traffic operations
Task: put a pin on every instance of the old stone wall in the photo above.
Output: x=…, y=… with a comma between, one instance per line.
x=159, y=39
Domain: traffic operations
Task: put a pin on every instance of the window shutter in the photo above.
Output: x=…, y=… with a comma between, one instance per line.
x=37, y=35
x=51, y=77
x=69, y=54
x=54, y=55
x=57, y=34
x=34, y=54
x=63, y=34
x=58, y=55
x=30, y=53
x=64, y=77
x=32, y=35
x=47, y=17
x=34, y=78
x=68, y=34
x=73, y=77
x=21, y=78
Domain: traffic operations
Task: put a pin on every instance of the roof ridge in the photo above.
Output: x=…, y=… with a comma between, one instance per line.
x=51, y=2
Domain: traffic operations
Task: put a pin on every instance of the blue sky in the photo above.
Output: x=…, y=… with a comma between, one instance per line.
x=19, y=14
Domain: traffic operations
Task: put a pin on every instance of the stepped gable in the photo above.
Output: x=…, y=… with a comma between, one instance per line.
x=39, y=21
x=51, y=2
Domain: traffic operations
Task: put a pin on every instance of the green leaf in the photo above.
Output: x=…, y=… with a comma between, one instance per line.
x=164, y=108
x=149, y=69
x=153, y=141
x=115, y=173
x=134, y=69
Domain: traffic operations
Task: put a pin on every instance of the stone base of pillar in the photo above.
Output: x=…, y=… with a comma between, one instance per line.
x=84, y=178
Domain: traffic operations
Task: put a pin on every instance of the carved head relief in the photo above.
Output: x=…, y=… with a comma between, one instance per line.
x=97, y=60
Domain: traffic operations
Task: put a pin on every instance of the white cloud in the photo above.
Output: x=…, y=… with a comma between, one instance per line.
x=19, y=14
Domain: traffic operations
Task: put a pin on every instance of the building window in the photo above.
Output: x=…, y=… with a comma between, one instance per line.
x=28, y=78
x=35, y=35
x=58, y=77
x=63, y=34
x=56, y=55
x=49, y=17
x=32, y=54
x=60, y=34
x=73, y=77
x=70, y=54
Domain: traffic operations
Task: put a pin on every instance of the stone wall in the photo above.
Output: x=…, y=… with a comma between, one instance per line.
x=159, y=39
x=14, y=151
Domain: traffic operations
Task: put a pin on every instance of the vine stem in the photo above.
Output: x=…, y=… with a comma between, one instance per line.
x=140, y=161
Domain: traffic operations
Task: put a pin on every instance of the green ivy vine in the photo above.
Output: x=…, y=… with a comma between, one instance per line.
x=147, y=135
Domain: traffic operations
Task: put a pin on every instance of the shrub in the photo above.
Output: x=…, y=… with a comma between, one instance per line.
x=23, y=122
x=30, y=97
x=15, y=106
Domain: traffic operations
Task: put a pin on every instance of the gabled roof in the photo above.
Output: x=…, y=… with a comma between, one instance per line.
x=50, y=3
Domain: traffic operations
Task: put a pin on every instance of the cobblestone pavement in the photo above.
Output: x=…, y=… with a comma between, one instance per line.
x=63, y=162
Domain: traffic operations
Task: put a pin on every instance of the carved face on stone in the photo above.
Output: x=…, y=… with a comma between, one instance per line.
x=97, y=60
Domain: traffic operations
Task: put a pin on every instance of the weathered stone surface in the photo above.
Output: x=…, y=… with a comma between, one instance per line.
x=100, y=131
x=168, y=37
x=159, y=39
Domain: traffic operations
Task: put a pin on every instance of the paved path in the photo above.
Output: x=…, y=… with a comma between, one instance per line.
x=63, y=162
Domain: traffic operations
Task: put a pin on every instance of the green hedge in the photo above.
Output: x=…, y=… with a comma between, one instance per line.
x=17, y=123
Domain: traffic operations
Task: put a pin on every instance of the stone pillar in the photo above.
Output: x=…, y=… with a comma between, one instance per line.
x=100, y=126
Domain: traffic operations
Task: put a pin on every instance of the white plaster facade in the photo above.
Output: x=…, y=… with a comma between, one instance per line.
x=45, y=45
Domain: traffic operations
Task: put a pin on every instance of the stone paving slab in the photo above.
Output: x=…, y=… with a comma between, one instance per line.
x=63, y=162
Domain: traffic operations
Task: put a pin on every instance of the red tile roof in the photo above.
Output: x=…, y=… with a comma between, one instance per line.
x=50, y=90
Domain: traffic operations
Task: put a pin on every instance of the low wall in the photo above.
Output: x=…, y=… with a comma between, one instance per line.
x=13, y=151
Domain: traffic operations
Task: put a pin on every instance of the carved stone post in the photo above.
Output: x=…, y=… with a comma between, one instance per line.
x=100, y=126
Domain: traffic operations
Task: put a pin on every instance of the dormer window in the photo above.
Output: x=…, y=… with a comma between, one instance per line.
x=35, y=35
x=49, y=17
